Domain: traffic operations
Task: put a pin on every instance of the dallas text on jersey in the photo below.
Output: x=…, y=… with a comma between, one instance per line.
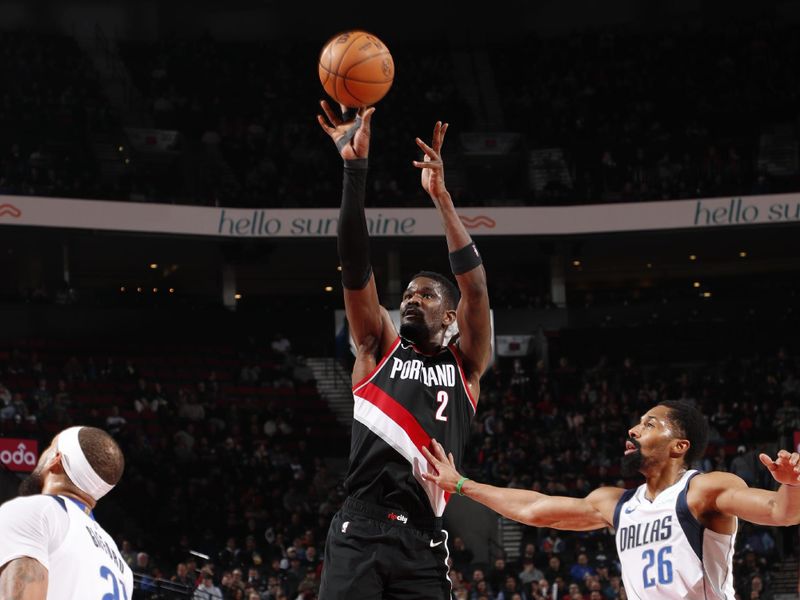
x=633, y=536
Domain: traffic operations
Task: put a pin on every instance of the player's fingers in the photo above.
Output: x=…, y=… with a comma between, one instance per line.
x=436, y=127
x=325, y=127
x=767, y=461
x=437, y=451
x=427, y=164
x=365, y=127
x=452, y=460
x=427, y=454
x=333, y=118
x=440, y=140
x=366, y=116
x=427, y=149
x=794, y=459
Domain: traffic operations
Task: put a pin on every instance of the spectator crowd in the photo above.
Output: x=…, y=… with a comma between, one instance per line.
x=229, y=487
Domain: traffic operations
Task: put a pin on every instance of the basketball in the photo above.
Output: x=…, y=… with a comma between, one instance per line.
x=356, y=68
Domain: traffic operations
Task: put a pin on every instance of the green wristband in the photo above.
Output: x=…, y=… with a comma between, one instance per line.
x=460, y=483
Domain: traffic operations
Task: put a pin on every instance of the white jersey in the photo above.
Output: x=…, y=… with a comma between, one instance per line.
x=666, y=553
x=82, y=560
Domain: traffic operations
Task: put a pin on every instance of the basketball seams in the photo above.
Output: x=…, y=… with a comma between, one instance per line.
x=346, y=79
x=345, y=51
x=346, y=89
x=361, y=62
x=335, y=70
x=330, y=70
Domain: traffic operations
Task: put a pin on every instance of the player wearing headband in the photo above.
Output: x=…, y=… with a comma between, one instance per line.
x=51, y=547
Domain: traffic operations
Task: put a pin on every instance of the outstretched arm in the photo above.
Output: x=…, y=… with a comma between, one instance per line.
x=526, y=506
x=369, y=323
x=472, y=315
x=764, y=507
x=23, y=579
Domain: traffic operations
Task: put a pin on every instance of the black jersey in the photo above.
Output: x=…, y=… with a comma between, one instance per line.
x=408, y=399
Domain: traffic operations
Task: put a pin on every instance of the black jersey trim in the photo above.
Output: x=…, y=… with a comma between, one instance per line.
x=377, y=368
x=454, y=350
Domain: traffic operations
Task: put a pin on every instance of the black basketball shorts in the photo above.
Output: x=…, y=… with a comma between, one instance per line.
x=375, y=553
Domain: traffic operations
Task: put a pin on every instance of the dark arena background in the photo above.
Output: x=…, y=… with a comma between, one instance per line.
x=168, y=264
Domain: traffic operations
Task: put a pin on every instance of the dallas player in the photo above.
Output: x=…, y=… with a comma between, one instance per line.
x=387, y=540
x=51, y=548
x=675, y=533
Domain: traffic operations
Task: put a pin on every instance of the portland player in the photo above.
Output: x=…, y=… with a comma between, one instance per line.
x=675, y=533
x=387, y=540
x=51, y=547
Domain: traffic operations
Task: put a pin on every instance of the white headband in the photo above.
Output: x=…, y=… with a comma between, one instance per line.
x=77, y=467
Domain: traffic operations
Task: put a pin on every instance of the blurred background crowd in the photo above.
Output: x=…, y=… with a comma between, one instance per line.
x=235, y=454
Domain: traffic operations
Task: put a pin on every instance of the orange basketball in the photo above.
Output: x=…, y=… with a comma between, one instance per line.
x=356, y=68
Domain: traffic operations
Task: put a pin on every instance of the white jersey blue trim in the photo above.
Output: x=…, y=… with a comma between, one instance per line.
x=666, y=553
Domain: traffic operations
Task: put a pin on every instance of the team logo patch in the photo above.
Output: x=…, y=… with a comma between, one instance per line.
x=344, y=526
x=395, y=517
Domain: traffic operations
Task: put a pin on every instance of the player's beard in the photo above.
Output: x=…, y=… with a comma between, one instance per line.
x=415, y=331
x=632, y=463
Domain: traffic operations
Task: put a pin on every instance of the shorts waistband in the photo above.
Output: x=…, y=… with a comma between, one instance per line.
x=393, y=516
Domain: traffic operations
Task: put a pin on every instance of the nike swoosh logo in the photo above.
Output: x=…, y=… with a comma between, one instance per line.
x=629, y=510
x=434, y=544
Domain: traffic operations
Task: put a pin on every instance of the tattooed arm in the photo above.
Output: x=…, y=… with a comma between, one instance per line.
x=23, y=579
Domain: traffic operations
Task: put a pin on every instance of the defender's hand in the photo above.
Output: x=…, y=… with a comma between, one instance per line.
x=785, y=468
x=351, y=144
x=444, y=474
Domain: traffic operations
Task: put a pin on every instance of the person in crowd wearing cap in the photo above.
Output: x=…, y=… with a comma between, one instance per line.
x=51, y=547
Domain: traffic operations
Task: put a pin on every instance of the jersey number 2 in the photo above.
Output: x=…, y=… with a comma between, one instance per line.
x=442, y=399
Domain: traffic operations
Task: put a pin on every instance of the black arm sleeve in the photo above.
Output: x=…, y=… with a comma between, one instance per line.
x=352, y=235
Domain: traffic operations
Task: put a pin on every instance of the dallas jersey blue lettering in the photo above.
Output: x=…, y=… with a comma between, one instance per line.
x=81, y=558
x=665, y=553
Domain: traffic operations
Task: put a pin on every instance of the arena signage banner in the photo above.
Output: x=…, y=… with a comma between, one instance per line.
x=251, y=223
x=19, y=454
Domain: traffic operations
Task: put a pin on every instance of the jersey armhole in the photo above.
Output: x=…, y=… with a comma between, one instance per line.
x=692, y=528
x=456, y=352
x=626, y=495
x=377, y=368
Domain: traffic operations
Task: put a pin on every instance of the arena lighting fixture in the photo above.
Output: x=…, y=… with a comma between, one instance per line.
x=138, y=289
x=576, y=263
x=706, y=294
x=696, y=284
x=339, y=268
x=237, y=296
x=122, y=288
x=153, y=265
x=649, y=265
x=692, y=257
x=120, y=148
x=155, y=290
x=328, y=288
x=742, y=254
x=171, y=290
